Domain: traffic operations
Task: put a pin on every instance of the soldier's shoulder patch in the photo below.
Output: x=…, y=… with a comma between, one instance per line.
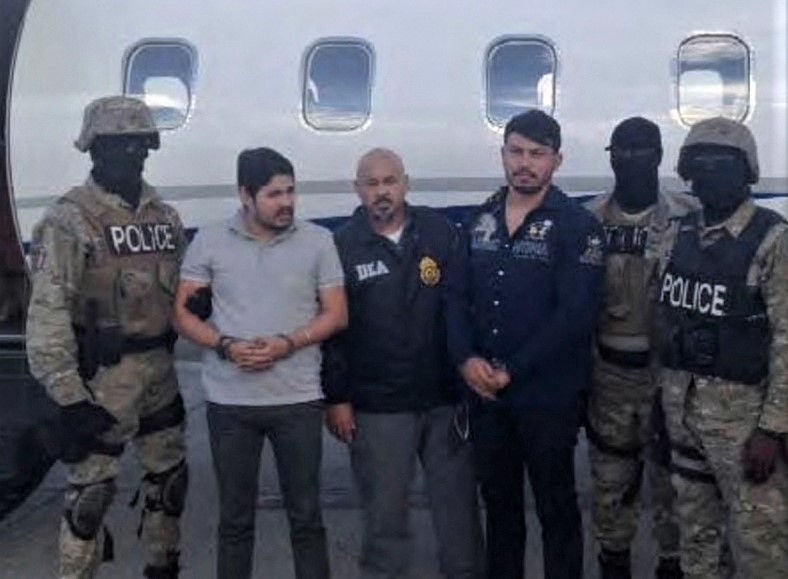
x=594, y=252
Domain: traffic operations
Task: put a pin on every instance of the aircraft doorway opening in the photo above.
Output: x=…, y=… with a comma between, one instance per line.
x=14, y=283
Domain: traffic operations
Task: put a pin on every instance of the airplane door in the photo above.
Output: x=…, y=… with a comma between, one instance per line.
x=13, y=275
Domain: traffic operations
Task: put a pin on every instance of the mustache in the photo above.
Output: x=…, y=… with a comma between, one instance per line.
x=524, y=173
x=285, y=211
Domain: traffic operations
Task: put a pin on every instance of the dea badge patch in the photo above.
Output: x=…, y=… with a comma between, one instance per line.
x=429, y=270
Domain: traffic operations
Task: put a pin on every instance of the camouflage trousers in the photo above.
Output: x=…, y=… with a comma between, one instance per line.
x=718, y=509
x=621, y=431
x=138, y=392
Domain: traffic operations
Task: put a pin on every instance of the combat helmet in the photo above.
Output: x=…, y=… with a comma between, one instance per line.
x=116, y=115
x=725, y=132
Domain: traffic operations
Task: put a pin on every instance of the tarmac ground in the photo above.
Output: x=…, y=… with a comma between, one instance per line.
x=28, y=536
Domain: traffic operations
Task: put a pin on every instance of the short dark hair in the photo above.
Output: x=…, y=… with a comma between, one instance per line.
x=256, y=168
x=537, y=126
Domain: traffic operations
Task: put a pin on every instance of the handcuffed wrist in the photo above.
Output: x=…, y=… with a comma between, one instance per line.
x=291, y=346
x=222, y=347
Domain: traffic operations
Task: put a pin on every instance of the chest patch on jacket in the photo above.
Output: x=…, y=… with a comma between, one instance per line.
x=371, y=269
x=628, y=239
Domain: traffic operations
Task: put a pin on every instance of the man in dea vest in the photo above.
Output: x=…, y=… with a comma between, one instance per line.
x=105, y=263
x=723, y=329
x=623, y=416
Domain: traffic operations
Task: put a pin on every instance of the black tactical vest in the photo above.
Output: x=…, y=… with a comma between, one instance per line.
x=710, y=321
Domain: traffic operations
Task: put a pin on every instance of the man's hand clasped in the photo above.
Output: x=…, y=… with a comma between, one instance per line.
x=258, y=354
x=485, y=378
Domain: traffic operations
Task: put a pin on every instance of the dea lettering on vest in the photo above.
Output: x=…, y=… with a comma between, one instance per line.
x=688, y=294
x=371, y=269
x=629, y=239
x=140, y=238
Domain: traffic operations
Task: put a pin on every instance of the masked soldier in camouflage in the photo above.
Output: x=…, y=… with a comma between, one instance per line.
x=623, y=419
x=105, y=263
x=723, y=327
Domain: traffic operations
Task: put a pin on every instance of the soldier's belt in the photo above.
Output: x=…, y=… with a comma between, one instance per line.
x=137, y=345
x=126, y=344
x=623, y=358
x=107, y=346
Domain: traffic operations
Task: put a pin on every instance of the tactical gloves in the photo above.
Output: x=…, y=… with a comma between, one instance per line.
x=760, y=455
x=82, y=422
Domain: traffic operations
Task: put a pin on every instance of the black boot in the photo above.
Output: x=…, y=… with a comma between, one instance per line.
x=614, y=565
x=669, y=568
x=168, y=571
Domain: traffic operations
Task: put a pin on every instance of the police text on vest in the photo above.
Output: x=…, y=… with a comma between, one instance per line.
x=140, y=238
x=689, y=294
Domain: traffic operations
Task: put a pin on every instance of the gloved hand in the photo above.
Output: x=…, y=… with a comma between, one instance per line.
x=82, y=422
x=200, y=303
x=760, y=455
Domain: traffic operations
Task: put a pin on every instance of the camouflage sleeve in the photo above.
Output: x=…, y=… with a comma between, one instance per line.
x=181, y=242
x=58, y=263
x=170, y=268
x=772, y=265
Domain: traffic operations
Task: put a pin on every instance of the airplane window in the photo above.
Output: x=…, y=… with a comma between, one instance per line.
x=337, y=89
x=520, y=75
x=162, y=74
x=713, y=78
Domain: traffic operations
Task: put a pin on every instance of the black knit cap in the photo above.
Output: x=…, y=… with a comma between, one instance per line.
x=537, y=126
x=635, y=133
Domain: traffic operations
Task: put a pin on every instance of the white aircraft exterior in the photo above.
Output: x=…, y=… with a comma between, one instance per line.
x=323, y=81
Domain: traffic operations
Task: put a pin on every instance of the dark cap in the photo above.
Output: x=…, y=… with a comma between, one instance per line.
x=536, y=126
x=636, y=133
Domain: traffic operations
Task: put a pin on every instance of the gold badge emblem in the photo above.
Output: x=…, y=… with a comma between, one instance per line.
x=430, y=272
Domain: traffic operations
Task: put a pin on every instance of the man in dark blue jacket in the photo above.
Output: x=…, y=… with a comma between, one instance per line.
x=522, y=308
x=389, y=383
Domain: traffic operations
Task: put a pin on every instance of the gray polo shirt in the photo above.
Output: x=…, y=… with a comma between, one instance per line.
x=262, y=289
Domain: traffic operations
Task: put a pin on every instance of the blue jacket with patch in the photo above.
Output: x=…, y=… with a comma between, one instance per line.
x=530, y=300
x=393, y=356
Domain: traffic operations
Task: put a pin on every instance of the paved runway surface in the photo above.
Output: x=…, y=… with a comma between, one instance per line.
x=28, y=537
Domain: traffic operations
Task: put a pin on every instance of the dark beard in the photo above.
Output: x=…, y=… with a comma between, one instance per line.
x=529, y=191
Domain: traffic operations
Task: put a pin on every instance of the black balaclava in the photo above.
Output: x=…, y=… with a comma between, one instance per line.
x=635, y=154
x=118, y=161
x=720, y=178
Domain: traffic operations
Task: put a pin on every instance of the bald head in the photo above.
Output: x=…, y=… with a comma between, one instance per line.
x=381, y=184
x=379, y=155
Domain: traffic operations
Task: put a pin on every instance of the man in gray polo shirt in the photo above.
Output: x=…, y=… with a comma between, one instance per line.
x=277, y=292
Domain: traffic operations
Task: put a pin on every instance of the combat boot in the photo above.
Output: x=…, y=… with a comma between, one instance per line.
x=168, y=571
x=669, y=568
x=614, y=564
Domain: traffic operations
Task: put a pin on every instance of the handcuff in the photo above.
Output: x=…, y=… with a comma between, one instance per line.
x=222, y=347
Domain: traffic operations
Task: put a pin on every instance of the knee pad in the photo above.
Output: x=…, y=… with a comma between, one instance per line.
x=86, y=506
x=166, y=491
x=169, y=570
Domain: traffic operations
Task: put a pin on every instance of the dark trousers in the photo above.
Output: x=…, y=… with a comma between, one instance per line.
x=507, y=441
x=383, y=455
x=237, y=434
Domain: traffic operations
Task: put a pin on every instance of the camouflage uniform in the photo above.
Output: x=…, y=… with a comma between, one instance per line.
x=710, y=418
x=621, y=401
x=93, y=248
